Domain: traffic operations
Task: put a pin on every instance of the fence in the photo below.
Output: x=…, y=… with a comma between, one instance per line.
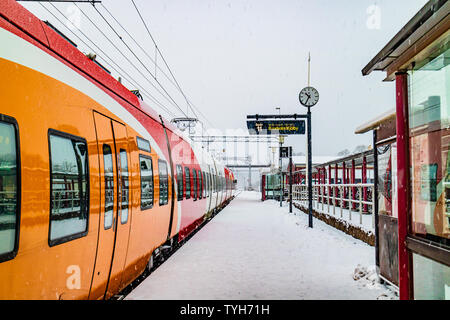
x=339, y=197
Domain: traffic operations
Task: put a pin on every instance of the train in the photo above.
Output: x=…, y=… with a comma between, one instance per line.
x=94, y=183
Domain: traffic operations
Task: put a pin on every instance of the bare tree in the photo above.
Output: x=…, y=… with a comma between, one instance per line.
x=360, y=148
x=343, y=153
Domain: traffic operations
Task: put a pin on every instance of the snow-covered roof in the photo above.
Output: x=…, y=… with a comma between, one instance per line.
x=298, y=160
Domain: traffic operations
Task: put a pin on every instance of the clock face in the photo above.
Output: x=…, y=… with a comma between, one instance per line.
x=308, y=96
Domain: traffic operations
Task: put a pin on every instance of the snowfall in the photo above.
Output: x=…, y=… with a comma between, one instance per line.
x=254, y=250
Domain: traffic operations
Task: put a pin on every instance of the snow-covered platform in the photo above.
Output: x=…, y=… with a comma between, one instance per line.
x=257, y=250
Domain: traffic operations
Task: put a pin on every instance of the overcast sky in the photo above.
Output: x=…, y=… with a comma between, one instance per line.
x=234, y=58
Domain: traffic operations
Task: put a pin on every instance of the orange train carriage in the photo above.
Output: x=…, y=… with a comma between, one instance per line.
x=92, y=181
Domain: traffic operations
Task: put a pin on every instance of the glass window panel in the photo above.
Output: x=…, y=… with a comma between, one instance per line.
x=200, y=184
x=69, y=179
x=194, y=181
x=384, y=180
x=188, y=183
x=179, y=183
x=143, y=144
x=429, y=111
x=146, y=166
x=109, y=186
x=8, y=188
x=431, y=279
x=163, y=183
x=204, y=182
x=124, y=185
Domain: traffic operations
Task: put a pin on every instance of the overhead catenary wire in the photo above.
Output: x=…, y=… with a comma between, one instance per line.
x=165, y=95
x=139, y=46
x=166, y=64
x=162, y=56
x=140, y=61
x=110, y=64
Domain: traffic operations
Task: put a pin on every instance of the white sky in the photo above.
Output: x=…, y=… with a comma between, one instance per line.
x=234, y=58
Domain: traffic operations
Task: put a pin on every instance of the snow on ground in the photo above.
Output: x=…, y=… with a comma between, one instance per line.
x=257, y=250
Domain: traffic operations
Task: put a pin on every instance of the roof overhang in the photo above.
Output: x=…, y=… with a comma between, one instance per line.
x=430, y=23
x=375, y=123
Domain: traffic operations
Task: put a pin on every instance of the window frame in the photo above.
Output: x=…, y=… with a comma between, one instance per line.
x=187, y=179
x=104, y=180
x=77, y=235
x=180, y=184
x=200, y=184
x=140, y=179
x=194, y=182
x=160, y=161
x=121, y=184
x=12, y=254
x=145, y=141
x=204, y=184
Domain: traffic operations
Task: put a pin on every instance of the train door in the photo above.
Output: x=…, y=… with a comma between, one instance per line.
x=114, y=224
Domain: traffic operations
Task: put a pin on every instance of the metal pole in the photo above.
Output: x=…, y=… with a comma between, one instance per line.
x=310, y=218
x=281, y=173
x=375, y=200
x=290, y=179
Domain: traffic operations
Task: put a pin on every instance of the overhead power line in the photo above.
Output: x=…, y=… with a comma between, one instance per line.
x=165, y=95
x=166, y=64
x=140, y=61
x=110, y=64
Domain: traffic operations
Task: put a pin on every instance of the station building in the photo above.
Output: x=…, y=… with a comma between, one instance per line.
x=417, y=58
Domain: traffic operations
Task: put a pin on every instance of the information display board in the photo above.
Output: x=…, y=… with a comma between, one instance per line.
x=276, y=126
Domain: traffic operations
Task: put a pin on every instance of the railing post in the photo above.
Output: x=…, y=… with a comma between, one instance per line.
x=350, y=203
x=334, y=201
x=344, y=172
x=360, y=205
x=353, y=179
x=329, y=188
x=336, y=172
x=364, y=180
x=374, y=198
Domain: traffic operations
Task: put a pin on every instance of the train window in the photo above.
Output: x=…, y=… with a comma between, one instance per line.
x=146, y=165
x=109, y=186
x=200, y=184
x=9, y=189
x=204, y=183
x=143, y=144
x=211, y=185
x=207, y=184
x=188, y=182
x=163, y=183
x=125, y=193
x=194, y=180
x=69, y=189
x=179, y=183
